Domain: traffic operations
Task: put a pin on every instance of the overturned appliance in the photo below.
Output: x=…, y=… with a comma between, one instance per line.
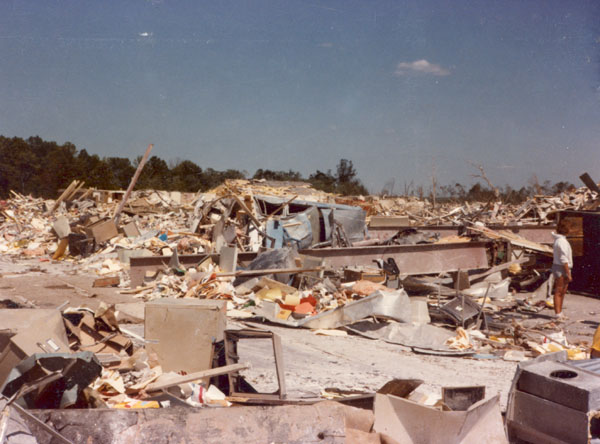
x=553, y=400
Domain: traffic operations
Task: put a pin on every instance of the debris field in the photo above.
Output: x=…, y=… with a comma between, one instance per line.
x=272, y=312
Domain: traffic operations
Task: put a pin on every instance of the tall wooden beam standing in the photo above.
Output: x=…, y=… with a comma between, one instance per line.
x=134, y=179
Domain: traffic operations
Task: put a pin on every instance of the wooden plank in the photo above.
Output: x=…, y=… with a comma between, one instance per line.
x=589, y=182
x=63, y=196
x=198, y=375
x=72, y=194
x=514, y=239
x=107, y=282
x=134, y=179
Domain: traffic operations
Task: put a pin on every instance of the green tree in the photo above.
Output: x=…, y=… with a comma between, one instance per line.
x=323, y=181
x=122, y=171
x=345, y=172
x=155, y=175
x=187, y=176
x=344, y=182
x=18, y=166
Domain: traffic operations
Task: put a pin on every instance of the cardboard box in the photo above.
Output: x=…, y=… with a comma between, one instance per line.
x=181, y=332
x=44, y=334
x=92, y=337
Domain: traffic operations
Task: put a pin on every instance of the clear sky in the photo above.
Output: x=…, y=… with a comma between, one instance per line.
x=405, y=89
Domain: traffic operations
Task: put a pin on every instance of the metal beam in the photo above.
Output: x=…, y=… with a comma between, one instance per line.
x=411, y=259
x=535, y=233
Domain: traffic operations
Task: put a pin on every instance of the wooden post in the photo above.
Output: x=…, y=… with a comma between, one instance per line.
x=64, y=195
x=117, y=215
x=433, y=191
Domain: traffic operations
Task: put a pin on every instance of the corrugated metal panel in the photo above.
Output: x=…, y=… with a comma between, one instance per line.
x=591, y=365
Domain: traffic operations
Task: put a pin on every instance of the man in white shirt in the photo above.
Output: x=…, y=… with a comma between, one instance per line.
x=561, y=266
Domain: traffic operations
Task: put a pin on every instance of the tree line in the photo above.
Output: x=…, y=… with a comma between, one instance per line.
x=506, y=194
x=42, y=168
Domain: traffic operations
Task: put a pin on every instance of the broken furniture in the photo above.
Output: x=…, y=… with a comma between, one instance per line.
x=462, y=310
x=237, y=386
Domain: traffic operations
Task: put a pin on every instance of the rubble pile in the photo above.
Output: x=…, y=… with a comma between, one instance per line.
x=538, y=209
x=272, y=253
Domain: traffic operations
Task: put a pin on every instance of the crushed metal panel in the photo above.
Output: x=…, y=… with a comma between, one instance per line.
x=591, y=365
x=393, y=304
x=299, y=229
x=352, y=218
x=411, y=259
x=424, y=338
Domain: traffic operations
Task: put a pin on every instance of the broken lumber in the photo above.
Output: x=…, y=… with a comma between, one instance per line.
x=134, y=179
x=514, y=239
x=589, y=182
x=198, y=375
x=64, y=195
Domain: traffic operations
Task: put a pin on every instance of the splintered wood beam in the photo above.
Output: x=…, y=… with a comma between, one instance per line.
x=134, y=179
x=197, y=375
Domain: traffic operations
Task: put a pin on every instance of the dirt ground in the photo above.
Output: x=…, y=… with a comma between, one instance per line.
x=312, y=362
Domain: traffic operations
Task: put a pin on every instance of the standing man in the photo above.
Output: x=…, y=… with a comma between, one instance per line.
x=561, y=266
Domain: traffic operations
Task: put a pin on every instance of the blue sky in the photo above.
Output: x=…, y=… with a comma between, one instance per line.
x=405, y=89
